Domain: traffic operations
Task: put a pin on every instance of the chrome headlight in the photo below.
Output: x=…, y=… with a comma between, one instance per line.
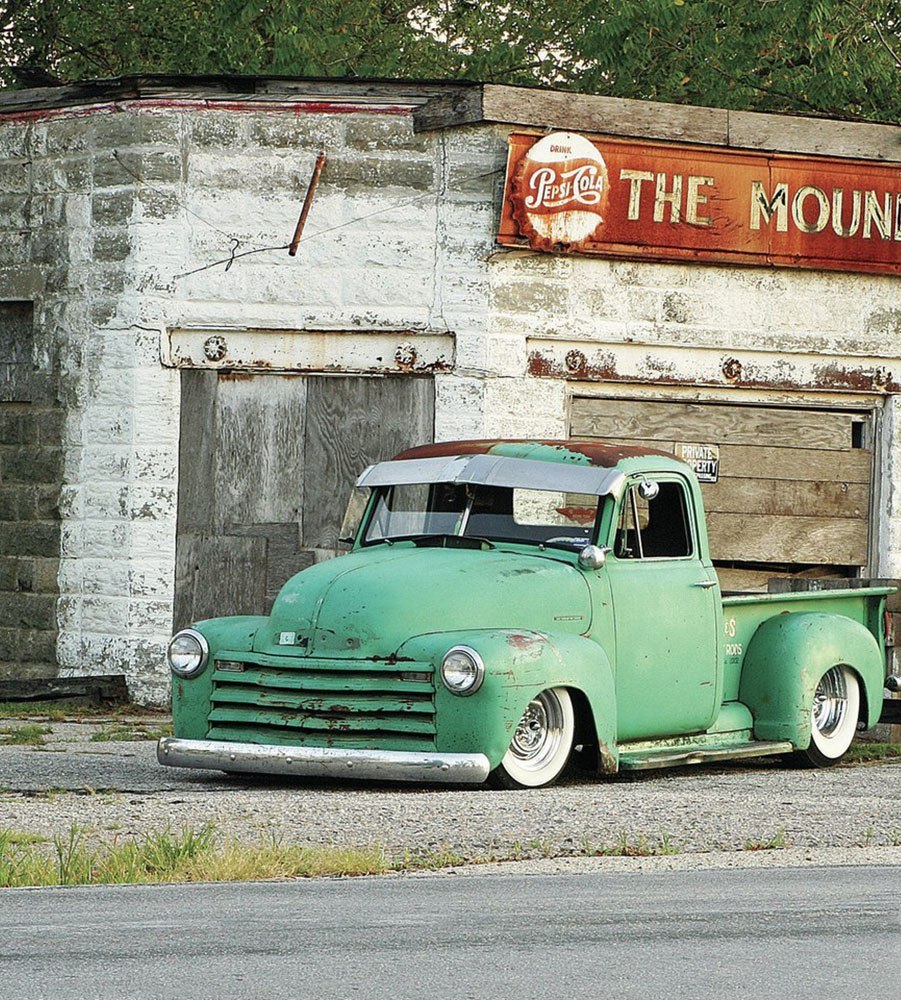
x=187, y=653
x=462, y=670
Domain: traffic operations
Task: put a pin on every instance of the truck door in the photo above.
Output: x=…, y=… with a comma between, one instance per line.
x=665, y=611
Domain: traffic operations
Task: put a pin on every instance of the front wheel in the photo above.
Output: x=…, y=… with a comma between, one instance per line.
x=833, y=718
x=541, y=744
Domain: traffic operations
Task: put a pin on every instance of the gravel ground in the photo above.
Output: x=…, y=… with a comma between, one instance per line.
x=116, y=790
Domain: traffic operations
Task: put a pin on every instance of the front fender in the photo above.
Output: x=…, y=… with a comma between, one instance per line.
x=785, y=659
x=519, y=664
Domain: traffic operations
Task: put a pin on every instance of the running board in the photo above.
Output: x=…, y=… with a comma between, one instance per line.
x=683, y=756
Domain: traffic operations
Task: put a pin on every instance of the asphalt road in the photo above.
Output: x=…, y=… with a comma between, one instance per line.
x=807, y=935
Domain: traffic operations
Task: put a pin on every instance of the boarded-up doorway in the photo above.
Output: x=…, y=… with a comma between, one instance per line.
x=266, y=463
x=793, y=485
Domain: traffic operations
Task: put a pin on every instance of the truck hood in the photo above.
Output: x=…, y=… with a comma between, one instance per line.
x=369, y=602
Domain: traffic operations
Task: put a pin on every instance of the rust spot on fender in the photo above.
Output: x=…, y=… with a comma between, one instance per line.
x=524, y=640
x=607, y=759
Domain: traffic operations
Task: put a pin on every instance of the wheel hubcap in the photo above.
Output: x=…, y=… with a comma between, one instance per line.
x=539, y=733
x=830, y=703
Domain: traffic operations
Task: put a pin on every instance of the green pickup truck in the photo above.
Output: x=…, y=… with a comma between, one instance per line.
x=510, y=606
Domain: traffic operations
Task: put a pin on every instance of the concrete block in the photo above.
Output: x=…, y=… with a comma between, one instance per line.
x=103, y=540
x=521, y=297
x=112, y=209
x=27, y=611
x=218, y=129
x=112, y=245
x=138, y=128
x=389, y=133
x=105, y=614
x=15, y=178
x=105, y=576
x=68, y=136
x=151, y=578
x=14, y=141
x=149, y=618
x=151, y=502
x=286, y=130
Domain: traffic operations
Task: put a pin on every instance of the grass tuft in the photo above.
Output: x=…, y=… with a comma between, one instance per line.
x=866, y=751
x=125, y=733
x=30, y=735
x=775, y=843
x=634, y=847
x=164, y=856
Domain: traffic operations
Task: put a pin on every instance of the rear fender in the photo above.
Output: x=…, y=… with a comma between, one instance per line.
x=785, y=659
x=519, y=664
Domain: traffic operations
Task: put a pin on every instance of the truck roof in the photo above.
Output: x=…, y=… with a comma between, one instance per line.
x=589, y=467
x=582, y=451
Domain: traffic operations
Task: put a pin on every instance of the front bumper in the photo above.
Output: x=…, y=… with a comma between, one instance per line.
x=324, y=762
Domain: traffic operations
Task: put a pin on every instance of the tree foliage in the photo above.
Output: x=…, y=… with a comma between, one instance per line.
x=836, y=57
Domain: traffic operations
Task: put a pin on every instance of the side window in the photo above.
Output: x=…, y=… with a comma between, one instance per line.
x=653, y=526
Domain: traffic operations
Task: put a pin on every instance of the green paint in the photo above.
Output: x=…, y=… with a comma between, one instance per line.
x=655, y=660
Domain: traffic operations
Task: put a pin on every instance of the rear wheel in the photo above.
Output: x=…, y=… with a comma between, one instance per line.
x=833, y=718
x=541, y=744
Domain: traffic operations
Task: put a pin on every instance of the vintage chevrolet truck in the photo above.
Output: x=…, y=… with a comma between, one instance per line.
x=509, y=605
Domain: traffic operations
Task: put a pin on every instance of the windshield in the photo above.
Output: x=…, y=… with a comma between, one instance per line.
x=494, y=513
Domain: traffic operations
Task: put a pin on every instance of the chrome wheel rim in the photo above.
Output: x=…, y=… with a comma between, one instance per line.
x=539, y=733
x=830, y=703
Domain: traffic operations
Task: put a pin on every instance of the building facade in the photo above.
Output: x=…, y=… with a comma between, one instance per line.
x=185, y=403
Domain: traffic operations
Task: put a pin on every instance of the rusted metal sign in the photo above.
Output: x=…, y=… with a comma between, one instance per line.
x=568, y=193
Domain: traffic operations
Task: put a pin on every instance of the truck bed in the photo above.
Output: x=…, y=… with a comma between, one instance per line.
x=744, y=613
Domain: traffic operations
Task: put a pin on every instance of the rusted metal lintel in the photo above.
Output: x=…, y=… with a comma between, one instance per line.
x=831, y=376
x=307, y=202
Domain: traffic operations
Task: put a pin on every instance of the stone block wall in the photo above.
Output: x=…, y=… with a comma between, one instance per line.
x=31, y=461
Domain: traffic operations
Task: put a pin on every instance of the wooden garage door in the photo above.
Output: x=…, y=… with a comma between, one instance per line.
x=793, y=485
x=266, y=465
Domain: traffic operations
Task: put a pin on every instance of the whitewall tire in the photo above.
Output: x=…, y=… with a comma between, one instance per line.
x=541, y=744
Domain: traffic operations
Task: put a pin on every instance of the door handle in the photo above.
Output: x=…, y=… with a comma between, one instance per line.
x=705, y=584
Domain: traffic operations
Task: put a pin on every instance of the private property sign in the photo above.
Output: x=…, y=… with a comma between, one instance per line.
x=569, y=193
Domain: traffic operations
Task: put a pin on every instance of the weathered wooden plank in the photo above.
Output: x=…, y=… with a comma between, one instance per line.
x=101, y=689
x=801, y=464
x=711, y=423
x=764, y=538
x=196, y=451
x=284, y=556
x=548, y=109
x=559, y=109
x=748, y=462
x=351, y=423
x=783, y=497
x=219, y=575
x=733, y=578
x=783, y=133
x=260, y=472
x=456, y=106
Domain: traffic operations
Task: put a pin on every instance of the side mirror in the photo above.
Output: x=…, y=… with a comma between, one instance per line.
x=593, y=557
x=647, y=490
